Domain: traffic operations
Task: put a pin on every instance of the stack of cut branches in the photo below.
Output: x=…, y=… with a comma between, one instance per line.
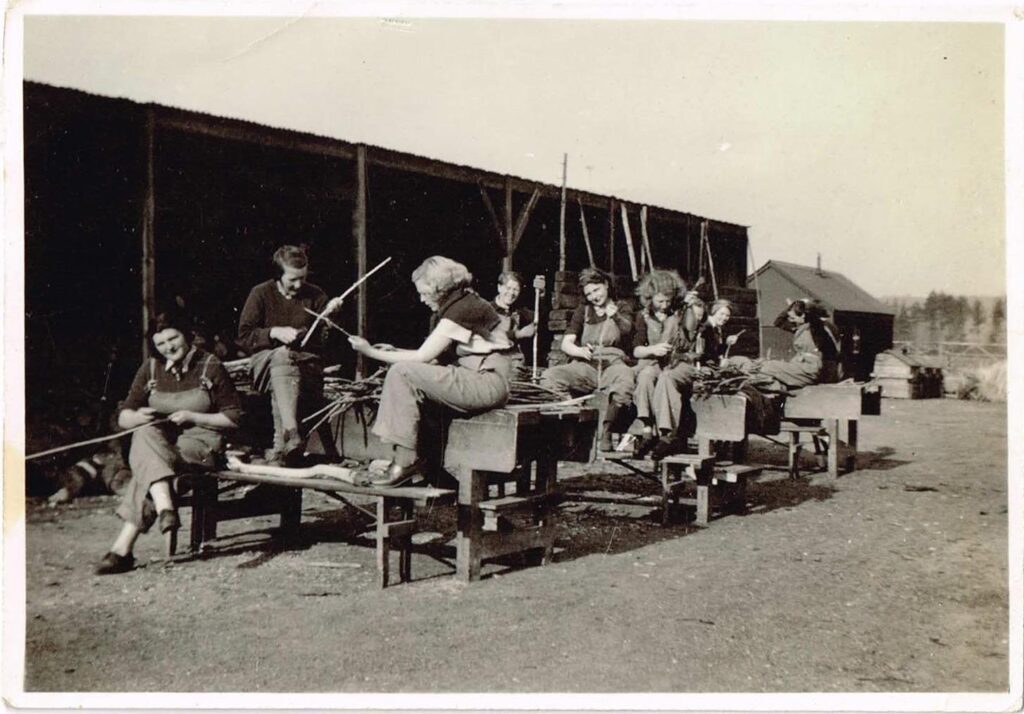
x=343, y=394
x=524, y=393
x=731, y=380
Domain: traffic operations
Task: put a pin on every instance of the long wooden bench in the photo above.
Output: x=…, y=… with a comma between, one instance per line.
x=285, y=499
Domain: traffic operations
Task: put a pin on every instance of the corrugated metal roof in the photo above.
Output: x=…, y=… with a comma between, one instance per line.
x=834, y=289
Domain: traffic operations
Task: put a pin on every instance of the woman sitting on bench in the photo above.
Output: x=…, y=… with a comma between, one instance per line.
x=816, y=342
x=181, y=403
x=471, y=375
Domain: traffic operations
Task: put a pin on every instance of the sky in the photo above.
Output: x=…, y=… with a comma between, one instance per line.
x=877, y=145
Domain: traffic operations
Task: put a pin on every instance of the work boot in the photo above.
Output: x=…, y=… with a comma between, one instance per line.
x=669, y=445
x=293, y=448
x=611, y=417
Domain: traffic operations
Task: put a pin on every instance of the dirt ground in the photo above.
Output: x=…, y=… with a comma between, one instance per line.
x=892, y=578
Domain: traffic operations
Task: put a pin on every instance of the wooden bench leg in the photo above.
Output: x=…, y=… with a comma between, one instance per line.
x=204, y=500
x=546, y=477
x=472, y=490
x=703, y=504
x=666, y=499
x=832, y=427
x=383, y=543
x=291, y=511
x=851, y=440
x=794, y=454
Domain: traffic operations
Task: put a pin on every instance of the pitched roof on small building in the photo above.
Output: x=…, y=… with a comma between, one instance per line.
x=834, y=289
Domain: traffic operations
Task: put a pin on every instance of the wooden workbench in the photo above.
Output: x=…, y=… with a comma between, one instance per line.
x=513, y=452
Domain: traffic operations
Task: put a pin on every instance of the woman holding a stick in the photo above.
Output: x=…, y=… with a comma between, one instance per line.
x=181, y=403
x=704, y=344
x=278, y=331
x=459, y=366
x=596, y=341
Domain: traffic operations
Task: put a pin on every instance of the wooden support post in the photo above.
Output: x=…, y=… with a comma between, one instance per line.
x=405, y=555
x=547, y=475
x=359, y=231
x=561, y=216
x=646, y=238
x=611, y=236
x=506, y=262
x=586, y=237
x=148, y=231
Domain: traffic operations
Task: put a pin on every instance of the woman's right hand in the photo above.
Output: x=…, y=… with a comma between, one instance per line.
x=661, y=349
x=359, y=344
x=284, y=335
x=584, y=352
x=131, y=418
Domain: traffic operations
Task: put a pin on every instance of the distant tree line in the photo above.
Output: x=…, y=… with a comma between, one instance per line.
x=948, y=318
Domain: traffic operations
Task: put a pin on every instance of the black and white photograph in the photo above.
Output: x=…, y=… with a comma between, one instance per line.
x=512, y=356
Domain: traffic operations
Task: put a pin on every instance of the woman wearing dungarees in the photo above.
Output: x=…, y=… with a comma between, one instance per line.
x=516, y=324
x=194, y=398
x=459, y=366
x=596, y=342
x=655, y=331
x=816, y=342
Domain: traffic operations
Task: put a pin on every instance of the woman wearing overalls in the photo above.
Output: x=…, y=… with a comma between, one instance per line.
x=671, y=397
x=184, y=400
x=516, y=324
x=655, y=331
x=815, y=341
x=471, y=373
x=596, y=342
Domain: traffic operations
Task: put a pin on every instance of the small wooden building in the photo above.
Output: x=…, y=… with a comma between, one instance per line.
x=864, y=323
x=908, y=376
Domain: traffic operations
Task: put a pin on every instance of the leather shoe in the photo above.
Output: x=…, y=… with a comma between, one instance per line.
x=112, y=564
x=396, y=474
x=168, y=520
x=667, y=446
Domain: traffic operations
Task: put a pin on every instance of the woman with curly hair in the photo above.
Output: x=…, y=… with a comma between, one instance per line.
x=656, y=332
x=461, y=365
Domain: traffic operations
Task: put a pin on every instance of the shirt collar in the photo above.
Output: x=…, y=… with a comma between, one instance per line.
x=185, y=365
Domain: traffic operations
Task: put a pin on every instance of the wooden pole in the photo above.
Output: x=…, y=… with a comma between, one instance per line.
x=506, y=262
x=359, y=231
x=646, y=238
x=561, y=216
x=586, y=238
x=148, y=232
x=611, y=236
x=627, y=234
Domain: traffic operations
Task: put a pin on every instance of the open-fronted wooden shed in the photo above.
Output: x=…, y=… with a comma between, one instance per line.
x=129, y=204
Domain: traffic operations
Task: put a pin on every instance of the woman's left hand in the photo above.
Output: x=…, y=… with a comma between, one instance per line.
x=731, y=339
x=182, y=417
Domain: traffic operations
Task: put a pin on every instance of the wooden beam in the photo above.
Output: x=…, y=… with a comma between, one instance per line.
x=148, y=231
x=628, y=235
x=491, y=212
x=359, y=246
x=235, y=130
x=524, y=217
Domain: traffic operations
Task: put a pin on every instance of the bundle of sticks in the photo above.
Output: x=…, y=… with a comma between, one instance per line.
x=731, y=380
